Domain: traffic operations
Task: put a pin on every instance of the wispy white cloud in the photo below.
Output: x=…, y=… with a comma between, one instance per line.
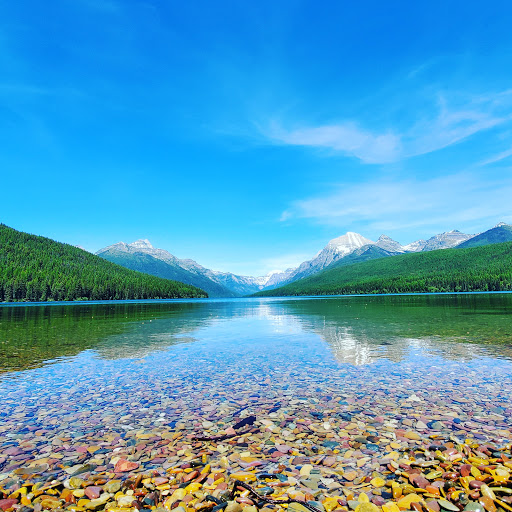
x=496, y=158
x=345, y=137
x=464, y=199
x=421, y=68
x=453, y=122
x=452, y=125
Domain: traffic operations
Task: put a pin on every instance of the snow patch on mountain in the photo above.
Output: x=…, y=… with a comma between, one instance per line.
x=388, y=244
x=416, y=246
x=346, y=244
x=446, y=240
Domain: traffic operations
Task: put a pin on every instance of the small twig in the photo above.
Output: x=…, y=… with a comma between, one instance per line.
x=240, y=410
x=238, y=483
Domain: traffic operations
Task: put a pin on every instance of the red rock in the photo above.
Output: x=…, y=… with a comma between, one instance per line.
x=247, y=501
x=433, y=490
x=420, y=481
x=123, y=465
x=92, y=492
x=487, y=503
x=465, y=469
x=191, y=476
x=433, y=505
x=329, y=461
x=7, y=503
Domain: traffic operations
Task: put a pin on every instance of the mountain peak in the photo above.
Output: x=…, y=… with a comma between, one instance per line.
x=501, y=224
x=388, y=244
x=348, y=242
x=446, y=240
x=141, y=244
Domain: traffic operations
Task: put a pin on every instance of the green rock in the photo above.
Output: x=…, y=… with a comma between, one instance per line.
x=447, y=505
x=75, y=483
x=112, y=486
x=473, y=506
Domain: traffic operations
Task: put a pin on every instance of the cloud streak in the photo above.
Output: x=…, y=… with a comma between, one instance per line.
x=497, y=158
x=347, y=138
x=450, y=124
x=391, y=206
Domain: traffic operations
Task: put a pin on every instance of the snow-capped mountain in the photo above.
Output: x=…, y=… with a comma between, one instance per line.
x=416, y=246
x=344, y=245
x=446, y=240
x=388, y=244
x=354, y=248
x=336, y=249
x=217, y=284
x=350, y=247
x=276, y=278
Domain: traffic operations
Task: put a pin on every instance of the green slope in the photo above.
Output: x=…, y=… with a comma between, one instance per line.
x=496, y=235
x=151, y=265
x=366, y=253
x=34, y=268
x=487, y=268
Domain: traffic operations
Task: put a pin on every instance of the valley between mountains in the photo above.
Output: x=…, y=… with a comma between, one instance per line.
x=348, y=249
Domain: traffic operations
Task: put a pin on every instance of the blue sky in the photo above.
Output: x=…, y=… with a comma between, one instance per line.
x=245, y=135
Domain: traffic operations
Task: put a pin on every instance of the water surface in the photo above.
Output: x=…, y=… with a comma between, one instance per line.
x=96, y=371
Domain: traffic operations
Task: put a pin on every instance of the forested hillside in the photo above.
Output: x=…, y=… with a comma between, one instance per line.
x=498, y=234
x=34, y=268
x=487, y=268
x=150, y=265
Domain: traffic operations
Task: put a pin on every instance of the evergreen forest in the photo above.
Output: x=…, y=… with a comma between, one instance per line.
x=486, y=268
x=34, y=268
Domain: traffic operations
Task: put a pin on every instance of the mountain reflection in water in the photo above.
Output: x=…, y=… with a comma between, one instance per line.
x=358, y=330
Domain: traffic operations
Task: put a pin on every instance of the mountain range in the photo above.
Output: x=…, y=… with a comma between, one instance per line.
x=345, y=250
x=142, y=256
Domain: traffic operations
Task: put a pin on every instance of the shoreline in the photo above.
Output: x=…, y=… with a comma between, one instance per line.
x=332, y=462
x=234, y=299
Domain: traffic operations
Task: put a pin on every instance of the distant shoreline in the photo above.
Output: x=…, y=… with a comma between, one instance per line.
x=234, y=299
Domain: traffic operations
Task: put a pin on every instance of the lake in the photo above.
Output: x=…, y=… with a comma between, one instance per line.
x=329, y=393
